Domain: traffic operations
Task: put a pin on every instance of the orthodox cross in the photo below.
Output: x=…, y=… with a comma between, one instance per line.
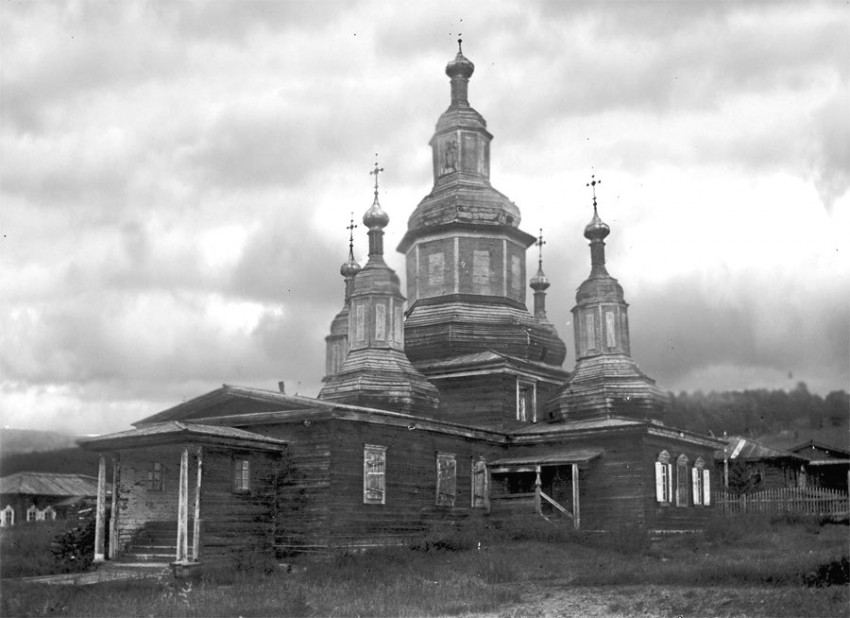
x=593, y=182
x=459, y=44
x=540, y=242
x=351, y=227
x=375, y=172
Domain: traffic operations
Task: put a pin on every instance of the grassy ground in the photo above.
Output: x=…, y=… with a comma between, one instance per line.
x=737, y=568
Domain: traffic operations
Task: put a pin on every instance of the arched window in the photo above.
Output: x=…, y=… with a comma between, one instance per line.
x=701, y=483
x=32, y=513
x=663, y=478
x=682, y=480
x=7, y=516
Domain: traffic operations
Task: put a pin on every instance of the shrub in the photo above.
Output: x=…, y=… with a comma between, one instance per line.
x=73, y=549
x=26, y=549
x=835, y=573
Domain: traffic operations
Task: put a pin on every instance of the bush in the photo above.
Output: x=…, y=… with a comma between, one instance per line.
x=25, y=549
x=835, y=573
x=73, y=549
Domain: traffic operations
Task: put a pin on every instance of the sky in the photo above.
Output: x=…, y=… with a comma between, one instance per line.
x=176, y=179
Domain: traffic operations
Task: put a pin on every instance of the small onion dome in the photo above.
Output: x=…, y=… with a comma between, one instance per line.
x=596, y=229
x=461, y=66
x=375, y=217
x=539, y=282
x=349, y=268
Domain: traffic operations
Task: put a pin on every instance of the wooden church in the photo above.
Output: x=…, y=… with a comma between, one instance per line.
x=448, y=404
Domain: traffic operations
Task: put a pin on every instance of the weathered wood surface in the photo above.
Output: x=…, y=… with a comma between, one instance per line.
x=785, y=500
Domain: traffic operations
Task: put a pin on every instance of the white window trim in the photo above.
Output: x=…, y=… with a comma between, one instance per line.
x=367, y=474
x=664, y=479
x=242, y=482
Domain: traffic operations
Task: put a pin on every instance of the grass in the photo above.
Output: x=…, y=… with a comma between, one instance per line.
x=25, y=549
x=738, y=567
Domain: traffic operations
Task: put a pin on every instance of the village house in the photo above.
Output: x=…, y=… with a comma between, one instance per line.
x=38, y=496
x=444, y=404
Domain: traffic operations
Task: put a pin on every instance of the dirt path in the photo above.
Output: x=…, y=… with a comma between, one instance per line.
x=558, y=600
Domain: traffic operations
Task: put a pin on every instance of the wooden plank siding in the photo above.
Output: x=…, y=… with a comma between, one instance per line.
x=303, y=514
x=411, y=482
x=237, y=522
x=670, y=516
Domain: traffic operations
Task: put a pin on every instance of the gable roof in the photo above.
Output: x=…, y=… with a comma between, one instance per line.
x=171, y=432
x=739, y=448
x=835, y=452
x=48, y=484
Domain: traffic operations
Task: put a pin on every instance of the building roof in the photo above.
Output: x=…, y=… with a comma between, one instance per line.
x=485, y=359
x=176, y=431
x=48, y=484
x=740, y=448
x=550, y=458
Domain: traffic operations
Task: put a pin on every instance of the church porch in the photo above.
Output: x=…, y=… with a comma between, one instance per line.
x=184, y=494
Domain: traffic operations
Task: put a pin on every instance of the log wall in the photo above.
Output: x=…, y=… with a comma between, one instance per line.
x=236, y=525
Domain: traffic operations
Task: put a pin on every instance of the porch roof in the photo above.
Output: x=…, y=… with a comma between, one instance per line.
x=172, y=432
x=550, y=458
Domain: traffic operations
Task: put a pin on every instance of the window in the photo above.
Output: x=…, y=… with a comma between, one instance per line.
x=7, y=516
x=380, y=321
x=32, y=513
x=479, y=483
x=241, y=475
x=49, y=513
x=155, y=477
x=446, y=479
x=481, y=272
x=610, y=330
x=398, y=324
x=701, y=483
x=526, y=395
x=374, y=474
x=682, y=480
x=360, y=323
x=516, y=278
x=590, y=331
x=663, y=478
x=436, y=268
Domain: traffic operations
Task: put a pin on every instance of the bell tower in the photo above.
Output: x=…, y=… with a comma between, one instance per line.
x=466, y=279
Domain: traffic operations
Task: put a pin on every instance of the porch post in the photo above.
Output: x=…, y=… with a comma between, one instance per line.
x=537, y=505
x=196, y=527
x=576, y=512
x=113, y=523
x=100, y=512
x=183, y=508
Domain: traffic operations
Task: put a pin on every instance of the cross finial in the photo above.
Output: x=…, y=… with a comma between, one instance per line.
x=540, y=242
x=459, y=44
x=351, y=227
x=593, y=182
x=375, y=172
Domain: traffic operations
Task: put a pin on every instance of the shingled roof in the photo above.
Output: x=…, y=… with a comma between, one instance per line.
x=48, y=484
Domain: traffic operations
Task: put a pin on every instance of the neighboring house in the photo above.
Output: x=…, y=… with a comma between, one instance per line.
x=827, y=465
x=448, y=405
x=748, y=466
x=36, y=496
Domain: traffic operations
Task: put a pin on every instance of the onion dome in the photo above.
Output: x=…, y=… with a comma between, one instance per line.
x=597, y=229
x=461, y=66
x=539, y=282
x=350, y=267
x=375, y=217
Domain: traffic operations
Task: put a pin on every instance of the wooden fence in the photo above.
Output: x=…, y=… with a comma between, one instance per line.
x=786, y=500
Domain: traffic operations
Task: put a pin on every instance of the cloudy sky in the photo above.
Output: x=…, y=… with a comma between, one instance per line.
x=177, y=178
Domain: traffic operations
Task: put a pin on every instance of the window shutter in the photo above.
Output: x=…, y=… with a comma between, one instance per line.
x=659, y=482
x=706, y=487
x=695, y=486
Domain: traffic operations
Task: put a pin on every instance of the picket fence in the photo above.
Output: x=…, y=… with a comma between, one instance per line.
x=785, y=500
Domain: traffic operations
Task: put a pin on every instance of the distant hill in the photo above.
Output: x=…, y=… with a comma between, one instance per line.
x=28, y=450
x=31, y=441
x=68, y=460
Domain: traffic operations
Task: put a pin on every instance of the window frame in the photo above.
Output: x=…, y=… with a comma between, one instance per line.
x=446, y=489
x=156, y=477
x=683, y=481
x=701, y=483
x=242, y=474
x=478, y=470
x=526, y=415
x=663, y=479
x=374, y=453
